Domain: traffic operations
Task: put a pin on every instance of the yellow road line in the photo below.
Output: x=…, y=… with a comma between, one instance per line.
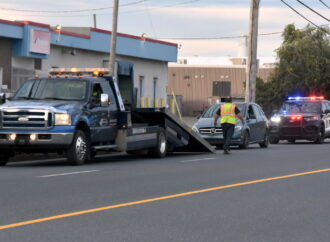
x=65, y=215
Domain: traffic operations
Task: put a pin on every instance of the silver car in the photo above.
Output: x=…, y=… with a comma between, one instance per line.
x=254, y=130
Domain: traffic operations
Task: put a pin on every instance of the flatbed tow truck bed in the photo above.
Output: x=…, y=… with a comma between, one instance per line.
x=180, y=136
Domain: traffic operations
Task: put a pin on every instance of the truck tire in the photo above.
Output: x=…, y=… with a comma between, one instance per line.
x=159, y=151
x=77, y=153
x=245, y=144
x=274, y=140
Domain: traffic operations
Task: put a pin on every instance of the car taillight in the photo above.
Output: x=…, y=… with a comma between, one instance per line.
x=296, y=118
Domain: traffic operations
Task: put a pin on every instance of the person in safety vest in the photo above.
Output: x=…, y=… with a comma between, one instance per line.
x=228, y=113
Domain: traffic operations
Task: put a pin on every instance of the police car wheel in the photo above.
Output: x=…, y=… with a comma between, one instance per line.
x=274, y=140
x=245, y=143
x=319, y=139
x=77, y=153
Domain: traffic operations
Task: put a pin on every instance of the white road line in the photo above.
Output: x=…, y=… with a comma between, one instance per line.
x=70, y=173
x=186, y=161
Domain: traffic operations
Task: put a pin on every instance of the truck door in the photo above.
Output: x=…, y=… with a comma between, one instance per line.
x=112, y=111
x=99, y=117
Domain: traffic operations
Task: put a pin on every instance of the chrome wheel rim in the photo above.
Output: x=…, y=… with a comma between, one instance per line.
x=162, y=145
x=80, y=148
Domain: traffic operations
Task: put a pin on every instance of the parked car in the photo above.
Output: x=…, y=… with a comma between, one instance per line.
x=254, y=130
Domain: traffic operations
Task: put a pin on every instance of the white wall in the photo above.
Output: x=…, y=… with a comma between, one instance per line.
x=149, y=69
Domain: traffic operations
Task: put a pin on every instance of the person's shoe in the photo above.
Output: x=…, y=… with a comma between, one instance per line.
x=226, y=152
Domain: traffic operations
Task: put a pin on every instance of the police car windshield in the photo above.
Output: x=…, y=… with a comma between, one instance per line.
x=301, y=107
x=56, y=89
x=211, y=111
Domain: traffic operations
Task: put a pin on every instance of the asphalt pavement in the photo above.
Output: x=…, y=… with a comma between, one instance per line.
x=276, y=194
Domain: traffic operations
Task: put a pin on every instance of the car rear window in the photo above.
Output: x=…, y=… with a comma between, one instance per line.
x=211, y=111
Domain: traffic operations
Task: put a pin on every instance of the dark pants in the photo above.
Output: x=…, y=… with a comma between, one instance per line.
x=228, y=131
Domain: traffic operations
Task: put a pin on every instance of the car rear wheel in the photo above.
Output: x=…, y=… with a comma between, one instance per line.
x=265, y=142
x=245, y=143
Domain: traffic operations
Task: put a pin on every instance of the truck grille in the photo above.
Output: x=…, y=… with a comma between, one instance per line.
x=210, y=131
x=26, y=119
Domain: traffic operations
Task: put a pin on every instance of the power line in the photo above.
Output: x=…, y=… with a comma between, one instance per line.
x=313, y=10
x=221, y=37
x=227, y=37
x=70, y=11
x=299, y=13
x=324, y=3
x=103, y=14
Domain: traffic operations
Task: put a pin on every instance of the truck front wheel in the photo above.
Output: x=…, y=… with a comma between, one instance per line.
x=77, y=153
x=159, y=151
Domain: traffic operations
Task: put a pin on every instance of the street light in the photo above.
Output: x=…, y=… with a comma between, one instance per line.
x=58, y=30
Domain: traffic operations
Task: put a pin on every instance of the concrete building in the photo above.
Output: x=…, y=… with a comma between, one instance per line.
x=29, y=48
x=201, y=85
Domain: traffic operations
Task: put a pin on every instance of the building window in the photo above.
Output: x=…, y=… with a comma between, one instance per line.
x=141, y=80
x=37, y=64
x=221, y=89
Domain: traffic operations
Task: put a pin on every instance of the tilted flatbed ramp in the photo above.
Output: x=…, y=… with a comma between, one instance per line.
x=179, y=135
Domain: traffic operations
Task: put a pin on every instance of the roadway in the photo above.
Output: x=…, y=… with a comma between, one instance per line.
x=184, y=197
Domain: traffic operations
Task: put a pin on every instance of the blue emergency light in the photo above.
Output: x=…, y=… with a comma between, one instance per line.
x=306, y=98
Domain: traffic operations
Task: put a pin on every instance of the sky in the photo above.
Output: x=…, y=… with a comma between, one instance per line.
x=171, y=20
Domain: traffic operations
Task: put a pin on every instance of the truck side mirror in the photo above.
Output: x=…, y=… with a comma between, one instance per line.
x=2, y=98
x=104, y=100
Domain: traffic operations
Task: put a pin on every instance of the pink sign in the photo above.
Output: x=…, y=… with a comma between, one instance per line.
x=40, y=41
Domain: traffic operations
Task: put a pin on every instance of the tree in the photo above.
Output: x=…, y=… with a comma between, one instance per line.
x=303, y=67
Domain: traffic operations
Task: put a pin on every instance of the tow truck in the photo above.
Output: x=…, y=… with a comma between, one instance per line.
x=80, y=112
x=301, y=118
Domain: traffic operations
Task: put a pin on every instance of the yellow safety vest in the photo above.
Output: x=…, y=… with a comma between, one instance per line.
x=228, y=113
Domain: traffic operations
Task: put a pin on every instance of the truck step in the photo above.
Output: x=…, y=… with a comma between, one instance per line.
x=104, y=147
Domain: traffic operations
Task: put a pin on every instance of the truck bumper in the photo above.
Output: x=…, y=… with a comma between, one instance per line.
x=56, y=137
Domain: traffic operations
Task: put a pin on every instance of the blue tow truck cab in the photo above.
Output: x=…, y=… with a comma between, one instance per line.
x=82, y=115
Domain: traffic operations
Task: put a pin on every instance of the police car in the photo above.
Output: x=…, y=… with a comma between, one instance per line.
x=301, y=118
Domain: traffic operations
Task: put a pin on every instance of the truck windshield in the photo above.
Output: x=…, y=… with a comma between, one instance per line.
x=57, y=89
x=301, y=107
x=210, y=112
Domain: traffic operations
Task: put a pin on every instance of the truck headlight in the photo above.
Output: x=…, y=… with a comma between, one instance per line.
x=195, y=129
x=62, y=119
x=275, y=119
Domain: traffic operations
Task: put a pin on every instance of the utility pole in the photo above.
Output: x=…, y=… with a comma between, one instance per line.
x=112, y=59
x=94, y=20
x=252, y=65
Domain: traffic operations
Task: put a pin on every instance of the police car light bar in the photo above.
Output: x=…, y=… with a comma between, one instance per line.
x=79, y=71
x=306, y=98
